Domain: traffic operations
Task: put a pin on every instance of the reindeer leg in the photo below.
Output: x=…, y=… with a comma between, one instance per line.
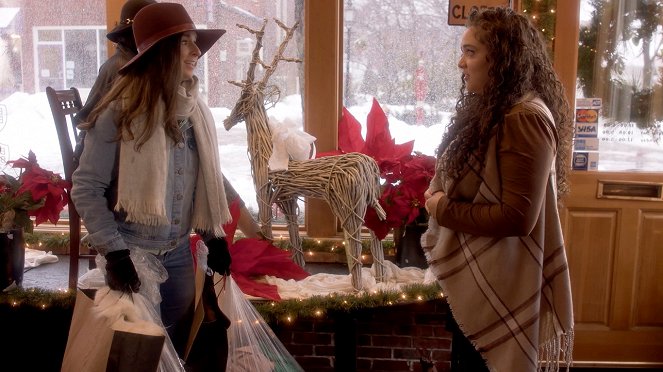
x=376, y=244
x=352, y=229
x=289, y=208
x=264, y=197
x=378, y=257
x=353, y=252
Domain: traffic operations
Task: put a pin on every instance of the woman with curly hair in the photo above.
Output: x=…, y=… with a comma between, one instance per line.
x=494, y=239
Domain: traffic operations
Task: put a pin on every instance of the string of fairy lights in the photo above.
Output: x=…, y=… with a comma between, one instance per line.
x=287, y=311
x=542, y=13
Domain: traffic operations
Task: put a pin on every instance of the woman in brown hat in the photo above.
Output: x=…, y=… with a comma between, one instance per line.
x=152, y=142
x=125, y=49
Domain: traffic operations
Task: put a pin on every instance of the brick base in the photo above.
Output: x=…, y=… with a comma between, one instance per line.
x=375, y=339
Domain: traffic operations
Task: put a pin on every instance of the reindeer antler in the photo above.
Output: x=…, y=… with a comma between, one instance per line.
x=255, y=55
x=251, y=89
x=278, y=56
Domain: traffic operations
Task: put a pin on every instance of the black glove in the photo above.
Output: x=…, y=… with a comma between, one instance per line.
x=218, y=258
x=120, y=272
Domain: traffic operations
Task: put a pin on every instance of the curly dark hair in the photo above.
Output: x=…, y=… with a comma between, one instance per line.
x=519, y=64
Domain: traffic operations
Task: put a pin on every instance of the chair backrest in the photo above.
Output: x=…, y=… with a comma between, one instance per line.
x=67, y=103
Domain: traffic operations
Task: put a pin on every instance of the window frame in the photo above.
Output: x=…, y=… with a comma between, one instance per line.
x=62, y=45
x=323, y=90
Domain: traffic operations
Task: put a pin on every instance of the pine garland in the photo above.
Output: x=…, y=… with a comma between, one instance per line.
x=292, y=309
x=318, y=306
x=286, y=310
x=38, y=298
x=60, y=242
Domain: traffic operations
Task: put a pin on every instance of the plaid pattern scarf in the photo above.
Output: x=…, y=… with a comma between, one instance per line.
x=511, y=296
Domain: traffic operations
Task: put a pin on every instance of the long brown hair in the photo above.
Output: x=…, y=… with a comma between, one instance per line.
x=519, y=64
x=154, y=77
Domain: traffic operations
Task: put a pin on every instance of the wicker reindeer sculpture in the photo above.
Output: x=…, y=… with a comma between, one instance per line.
x=349, y=183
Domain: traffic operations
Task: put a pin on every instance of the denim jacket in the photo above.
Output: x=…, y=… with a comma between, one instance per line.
x=95, y=179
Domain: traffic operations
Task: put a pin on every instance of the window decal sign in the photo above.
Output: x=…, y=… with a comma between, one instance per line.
x=459, y=10
x=586, y=142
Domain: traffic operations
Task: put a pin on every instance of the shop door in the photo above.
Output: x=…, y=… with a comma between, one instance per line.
x=613, y=218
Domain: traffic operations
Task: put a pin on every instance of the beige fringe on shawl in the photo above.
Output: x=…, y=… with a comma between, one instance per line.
x=510, y=296
x=143, y=175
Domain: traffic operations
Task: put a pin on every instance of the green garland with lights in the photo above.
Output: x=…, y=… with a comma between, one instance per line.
x=312, y=307
x=317, y=306
x=60, y=242
x=38, y=298
x=332, y=246
x=286, y=310
x=45, y=240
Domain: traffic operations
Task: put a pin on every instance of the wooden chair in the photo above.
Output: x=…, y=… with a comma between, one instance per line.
x=67, y=103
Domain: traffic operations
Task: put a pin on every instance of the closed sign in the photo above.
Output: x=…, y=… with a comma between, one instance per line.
x=459, y=10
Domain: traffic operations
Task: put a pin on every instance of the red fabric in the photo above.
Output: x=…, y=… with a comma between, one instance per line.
x=252, y=258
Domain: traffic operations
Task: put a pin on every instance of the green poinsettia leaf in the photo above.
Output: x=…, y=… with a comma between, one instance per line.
x=22, y=219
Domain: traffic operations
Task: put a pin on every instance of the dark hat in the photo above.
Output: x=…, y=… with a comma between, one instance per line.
x=123, y=28
x=155, y=22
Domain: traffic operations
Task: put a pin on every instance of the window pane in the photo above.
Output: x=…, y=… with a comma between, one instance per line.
x=70, y=47
x=51, y=71
x=49, y=35
x=405, y=55
x=620, y=62
x=229, y=60
x=81, y=57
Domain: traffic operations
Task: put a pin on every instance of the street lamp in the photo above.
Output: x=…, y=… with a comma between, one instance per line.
x=348, y=14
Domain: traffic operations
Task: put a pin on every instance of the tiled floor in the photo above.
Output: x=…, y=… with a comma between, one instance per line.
x=51, y=275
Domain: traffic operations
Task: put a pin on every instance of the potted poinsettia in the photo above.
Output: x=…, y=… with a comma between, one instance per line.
x=37, y=193
x=406, y=174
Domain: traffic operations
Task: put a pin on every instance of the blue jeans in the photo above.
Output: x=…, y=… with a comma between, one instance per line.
x=177, y=295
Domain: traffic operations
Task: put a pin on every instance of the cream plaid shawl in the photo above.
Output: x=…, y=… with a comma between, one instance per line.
x=510, y=296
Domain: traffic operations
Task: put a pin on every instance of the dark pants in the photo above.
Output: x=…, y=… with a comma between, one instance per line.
x=209, y=352
x=464, y=357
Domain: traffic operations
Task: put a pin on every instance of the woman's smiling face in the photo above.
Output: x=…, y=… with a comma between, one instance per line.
x=474, y=62
x=189, y=53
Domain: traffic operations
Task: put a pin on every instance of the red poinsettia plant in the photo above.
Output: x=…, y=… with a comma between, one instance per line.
x=36, y=192
x=406, y=174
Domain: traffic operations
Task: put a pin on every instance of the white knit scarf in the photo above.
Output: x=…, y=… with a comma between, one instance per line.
x=143, y=174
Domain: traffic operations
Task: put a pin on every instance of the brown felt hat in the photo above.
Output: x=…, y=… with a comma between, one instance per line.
x=155, y=22
x=127, y=14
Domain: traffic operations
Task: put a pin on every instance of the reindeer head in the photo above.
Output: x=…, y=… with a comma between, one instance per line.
x=251, y=97
x=245, y=103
